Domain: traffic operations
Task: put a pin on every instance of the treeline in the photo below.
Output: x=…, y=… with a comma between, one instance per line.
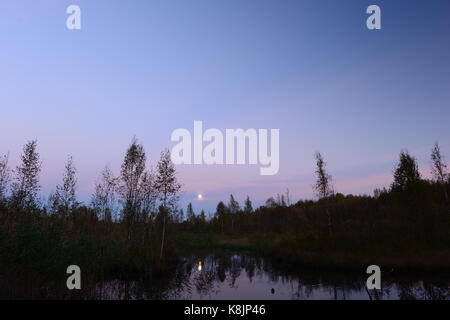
x=133, y=220
x=125, y=228
x=412, y=216
x=408, y=188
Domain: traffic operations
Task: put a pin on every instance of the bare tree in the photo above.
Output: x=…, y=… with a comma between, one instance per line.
x=64, y=199
x=5, y=177
x=168, y=188
x=439, y=168
x=166, y=182
x=104, y=198
x=26, y=186
x=132, y=169
x=323, y=186
x=233, y=205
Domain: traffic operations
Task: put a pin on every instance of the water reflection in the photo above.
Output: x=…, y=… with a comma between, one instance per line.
x=242, y=276
x=237, y=277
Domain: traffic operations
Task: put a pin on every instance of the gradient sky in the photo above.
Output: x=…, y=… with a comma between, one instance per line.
x=309, y=68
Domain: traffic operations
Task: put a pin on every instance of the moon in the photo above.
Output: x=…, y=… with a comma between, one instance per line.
x=199, y=196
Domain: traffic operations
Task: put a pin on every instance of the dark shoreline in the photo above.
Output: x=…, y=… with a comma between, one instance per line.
x=425, y=262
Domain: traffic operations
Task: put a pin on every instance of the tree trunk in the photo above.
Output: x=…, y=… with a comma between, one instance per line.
x=163, y=234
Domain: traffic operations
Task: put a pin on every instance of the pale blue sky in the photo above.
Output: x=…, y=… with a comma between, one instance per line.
x=309, y=68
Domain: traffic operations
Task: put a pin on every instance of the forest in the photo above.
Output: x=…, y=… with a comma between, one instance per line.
x=134, y=227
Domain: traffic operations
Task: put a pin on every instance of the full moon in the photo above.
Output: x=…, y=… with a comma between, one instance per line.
x=200, y=196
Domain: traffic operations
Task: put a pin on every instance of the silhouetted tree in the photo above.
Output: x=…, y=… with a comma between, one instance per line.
x=221, y=212
x=407, y=172
x=190, y=214
x=104, y=198
x=233, y=205
x=233, y=209
x=64, y=199
x=166, y=181
x=26, y=186
x=323, y=186
x=168, y=187
x=132, y=169
x=5, y=176
x=271, y=203
x=202, y=217
x=439, y=168
x=248, y=208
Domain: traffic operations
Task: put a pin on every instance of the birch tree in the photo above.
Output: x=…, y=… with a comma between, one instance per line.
x=132, y=169
x=64, y=199
x=5, y=177
x=26, y=187
x=167, y=186
x=104, y=198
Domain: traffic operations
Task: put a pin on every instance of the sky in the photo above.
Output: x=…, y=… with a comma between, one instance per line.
x=311, y=69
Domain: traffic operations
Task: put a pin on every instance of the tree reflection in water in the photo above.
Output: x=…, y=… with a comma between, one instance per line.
x=238, y=277
x=245, y=276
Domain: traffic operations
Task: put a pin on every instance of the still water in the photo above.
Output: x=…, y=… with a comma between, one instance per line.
x=244, y=276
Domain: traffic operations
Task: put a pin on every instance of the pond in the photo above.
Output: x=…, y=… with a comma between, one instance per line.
x=247, y=277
